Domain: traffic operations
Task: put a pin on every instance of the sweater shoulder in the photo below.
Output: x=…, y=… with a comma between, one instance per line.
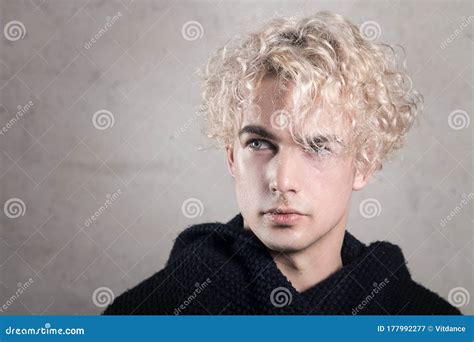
x=193, y=238
x=159, y=293
x=135, y=300
x=411, y=297
x=423, y=301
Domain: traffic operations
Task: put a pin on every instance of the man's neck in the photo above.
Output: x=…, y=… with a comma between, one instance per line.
x=310, y=266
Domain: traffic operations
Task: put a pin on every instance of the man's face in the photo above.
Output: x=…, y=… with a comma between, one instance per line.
x=273, y=171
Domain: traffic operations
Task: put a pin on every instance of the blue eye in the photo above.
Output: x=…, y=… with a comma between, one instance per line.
x=258, y=144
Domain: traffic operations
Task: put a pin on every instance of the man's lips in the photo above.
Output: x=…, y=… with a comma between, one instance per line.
x=283, y=210
x=282, y=216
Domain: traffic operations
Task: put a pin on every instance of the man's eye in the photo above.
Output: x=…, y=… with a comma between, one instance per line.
x=258, y=144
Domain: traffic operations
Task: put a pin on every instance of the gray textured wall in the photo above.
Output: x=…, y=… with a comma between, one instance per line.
x=59, y=163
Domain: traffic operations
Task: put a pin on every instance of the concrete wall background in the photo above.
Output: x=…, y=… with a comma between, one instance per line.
x=58, y=164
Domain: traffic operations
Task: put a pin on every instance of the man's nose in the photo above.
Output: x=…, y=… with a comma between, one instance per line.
x=285, y=172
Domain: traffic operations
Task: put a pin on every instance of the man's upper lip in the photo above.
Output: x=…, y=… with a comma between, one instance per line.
x=283, y=210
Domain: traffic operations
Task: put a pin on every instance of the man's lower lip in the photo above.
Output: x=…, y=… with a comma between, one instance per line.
x=283, y=218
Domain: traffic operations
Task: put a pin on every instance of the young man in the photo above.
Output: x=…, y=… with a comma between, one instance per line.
x=307, y=111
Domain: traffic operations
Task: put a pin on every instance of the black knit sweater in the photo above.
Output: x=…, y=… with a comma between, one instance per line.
x=218, y=268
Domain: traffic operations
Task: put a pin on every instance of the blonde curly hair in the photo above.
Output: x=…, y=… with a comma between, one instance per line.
x=332, y=64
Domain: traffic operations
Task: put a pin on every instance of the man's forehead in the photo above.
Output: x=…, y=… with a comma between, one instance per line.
x=257, y=114
x=272, y=109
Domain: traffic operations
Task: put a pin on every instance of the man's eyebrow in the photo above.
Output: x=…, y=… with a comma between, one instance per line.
x=258, y=130
x=325, y=138
x=261, y=131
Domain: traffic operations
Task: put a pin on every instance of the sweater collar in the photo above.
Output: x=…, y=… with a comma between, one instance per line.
x=351, y=247
x=365, y=268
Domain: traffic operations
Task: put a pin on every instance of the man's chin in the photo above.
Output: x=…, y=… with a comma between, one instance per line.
x=284, y=249
x=285, y=246
x=285, y=239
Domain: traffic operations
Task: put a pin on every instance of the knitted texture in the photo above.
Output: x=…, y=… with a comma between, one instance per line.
x=221, y=268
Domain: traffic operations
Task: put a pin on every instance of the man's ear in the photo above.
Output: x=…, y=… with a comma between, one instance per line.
x=361, y=178
x=230, y=159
